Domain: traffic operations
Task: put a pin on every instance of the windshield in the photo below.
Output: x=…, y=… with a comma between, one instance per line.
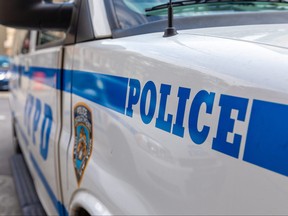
x=131, y=13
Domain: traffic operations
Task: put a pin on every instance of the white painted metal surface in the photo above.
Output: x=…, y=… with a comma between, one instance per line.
x=162, y=173
x=172, y=122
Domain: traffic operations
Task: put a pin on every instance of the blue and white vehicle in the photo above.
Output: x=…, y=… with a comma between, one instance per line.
x=112, y=118
x=4, y=74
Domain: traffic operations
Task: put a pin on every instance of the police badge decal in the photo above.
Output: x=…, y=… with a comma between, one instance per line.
x=83, y=139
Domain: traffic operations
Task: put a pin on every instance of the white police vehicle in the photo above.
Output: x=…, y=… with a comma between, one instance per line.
x=114, y=118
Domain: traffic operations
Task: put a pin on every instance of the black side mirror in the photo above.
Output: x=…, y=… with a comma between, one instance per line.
x=36, y=14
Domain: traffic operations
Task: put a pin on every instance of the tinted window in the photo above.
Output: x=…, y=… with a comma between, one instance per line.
x=132, y=13
x=50, y=37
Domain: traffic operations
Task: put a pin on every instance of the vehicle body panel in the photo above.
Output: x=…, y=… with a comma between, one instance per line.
x=274, y=35
x=39, y=127
x=190, y=124
x=180, y=176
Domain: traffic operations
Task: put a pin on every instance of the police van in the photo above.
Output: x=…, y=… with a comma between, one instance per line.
x=152, y=107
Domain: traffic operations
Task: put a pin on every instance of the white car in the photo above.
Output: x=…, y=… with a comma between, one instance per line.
x=153, y=107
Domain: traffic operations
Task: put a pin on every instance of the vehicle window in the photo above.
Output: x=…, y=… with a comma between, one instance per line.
x=50, y=37
x=131, y=13
x=58, y=1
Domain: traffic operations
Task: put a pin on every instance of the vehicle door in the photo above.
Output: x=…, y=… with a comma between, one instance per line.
x=42, y=119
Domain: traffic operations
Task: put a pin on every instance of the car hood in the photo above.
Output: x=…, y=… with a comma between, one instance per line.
x=274, y=35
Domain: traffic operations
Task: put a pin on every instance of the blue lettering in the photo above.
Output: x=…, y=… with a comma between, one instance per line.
x=134, y=94
x=226, y=125
x=47, y=124
x=196, y=135
x=149, y=87
x=183, y=95
x=36, y=119
x=160, y=121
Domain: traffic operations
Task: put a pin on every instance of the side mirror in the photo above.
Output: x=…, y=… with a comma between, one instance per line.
x=36, y=14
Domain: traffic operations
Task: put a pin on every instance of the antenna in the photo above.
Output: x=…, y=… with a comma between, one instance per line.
x=170, y=30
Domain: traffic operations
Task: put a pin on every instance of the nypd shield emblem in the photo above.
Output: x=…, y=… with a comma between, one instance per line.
x=83, y=139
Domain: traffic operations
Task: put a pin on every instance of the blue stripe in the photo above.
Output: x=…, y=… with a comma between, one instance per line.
x=47, y=76
x=67, y=81
x=267, y=138
x=106, y=90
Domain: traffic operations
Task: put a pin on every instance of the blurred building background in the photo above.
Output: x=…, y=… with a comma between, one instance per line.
x=2, y=40
x=6, y=40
